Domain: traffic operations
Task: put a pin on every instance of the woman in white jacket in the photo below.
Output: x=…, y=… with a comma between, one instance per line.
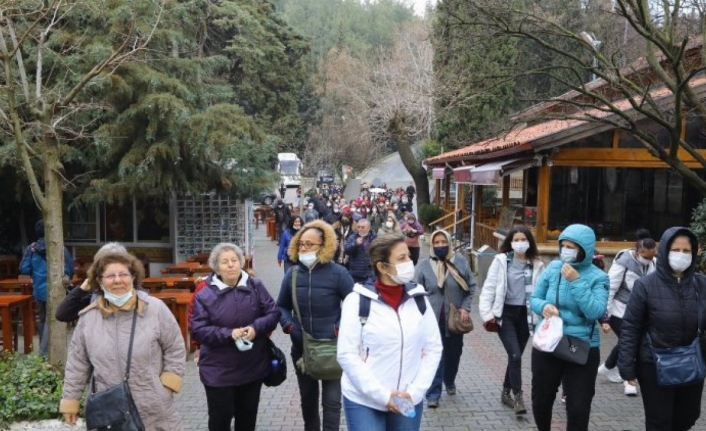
x=503, y=305
x=628, y=265
x=389, y=347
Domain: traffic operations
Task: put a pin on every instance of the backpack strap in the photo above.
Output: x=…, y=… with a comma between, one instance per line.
x=364, y=307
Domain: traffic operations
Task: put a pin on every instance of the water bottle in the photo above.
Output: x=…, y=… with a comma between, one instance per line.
x=405, y=406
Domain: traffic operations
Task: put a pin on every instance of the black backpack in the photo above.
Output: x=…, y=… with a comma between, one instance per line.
x=364, y=307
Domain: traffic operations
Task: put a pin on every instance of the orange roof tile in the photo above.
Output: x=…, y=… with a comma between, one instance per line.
x=520, y=140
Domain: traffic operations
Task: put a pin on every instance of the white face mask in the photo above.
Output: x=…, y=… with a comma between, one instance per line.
x=679, y=261
x=520, y=246
x=117, y=300
x=388, y=224
x=568, y=255
x=308, y=259
x=405, y=272
x=644, y=261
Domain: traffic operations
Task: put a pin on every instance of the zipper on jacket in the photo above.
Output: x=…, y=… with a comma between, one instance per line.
x=399, y=322
x=311, y=317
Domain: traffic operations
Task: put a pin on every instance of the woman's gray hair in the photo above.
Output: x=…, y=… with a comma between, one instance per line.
x=109, y=248
x=220, y=248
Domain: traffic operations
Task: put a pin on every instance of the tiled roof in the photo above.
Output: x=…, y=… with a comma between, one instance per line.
x=521, y=140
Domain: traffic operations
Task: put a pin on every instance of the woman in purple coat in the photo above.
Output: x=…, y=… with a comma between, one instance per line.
x=233, y=316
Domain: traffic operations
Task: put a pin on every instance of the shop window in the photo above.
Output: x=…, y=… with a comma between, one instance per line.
x=117, y=222
x=152, y=221
x=616, y=202
x=80, y=222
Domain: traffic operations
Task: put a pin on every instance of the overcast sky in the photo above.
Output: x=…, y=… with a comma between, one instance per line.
x=419, y=5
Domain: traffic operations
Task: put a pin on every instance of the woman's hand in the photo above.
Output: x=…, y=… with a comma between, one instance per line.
x=70, y=418
x=569, y=272
x=465, y=316
x=247, y=332
x=605, y=327
x=391, y=402
x=549, y=311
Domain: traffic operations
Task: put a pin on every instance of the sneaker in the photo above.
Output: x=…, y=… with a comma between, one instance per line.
x=432, y=404
x=506, y=399
x=630, y=390
x=451, y=390
x=611, y=374
x=520, y=408
x=563, y=398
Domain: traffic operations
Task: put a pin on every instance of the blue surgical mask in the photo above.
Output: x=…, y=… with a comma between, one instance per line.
x=117, y=300
x=568, y=255
x=441, y=252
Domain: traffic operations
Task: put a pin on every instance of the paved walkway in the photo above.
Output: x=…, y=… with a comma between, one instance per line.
x=475, y=407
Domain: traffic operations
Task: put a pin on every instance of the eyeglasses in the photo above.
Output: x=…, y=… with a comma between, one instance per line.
x=306, y=245
x=113, y=277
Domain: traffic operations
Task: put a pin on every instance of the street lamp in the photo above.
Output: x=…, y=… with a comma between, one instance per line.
x=595, y=44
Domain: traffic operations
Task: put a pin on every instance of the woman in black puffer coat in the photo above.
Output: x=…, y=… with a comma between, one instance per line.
x=665, y=304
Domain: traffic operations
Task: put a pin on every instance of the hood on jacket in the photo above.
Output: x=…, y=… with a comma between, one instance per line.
x=584, y=237
x=431, y=242
x=663, y=268
x=326, y=251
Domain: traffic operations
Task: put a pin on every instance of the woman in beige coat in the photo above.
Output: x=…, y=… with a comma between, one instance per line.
x=101, y=339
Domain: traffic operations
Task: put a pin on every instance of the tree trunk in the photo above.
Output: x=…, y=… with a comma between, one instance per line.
x=54, y=236
x=401, y=137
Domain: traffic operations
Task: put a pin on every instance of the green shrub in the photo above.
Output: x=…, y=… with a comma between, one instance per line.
x=30, y=388
x=698, y=225
x=428, y=213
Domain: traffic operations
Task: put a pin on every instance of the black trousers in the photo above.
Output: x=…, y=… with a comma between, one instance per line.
x=414, y=254
x=616, y=323
x=229, y=402
x=668, y=409
x=579, y=383
x=514, y=334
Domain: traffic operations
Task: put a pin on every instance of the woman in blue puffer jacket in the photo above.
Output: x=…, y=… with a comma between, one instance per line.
x=581, y=299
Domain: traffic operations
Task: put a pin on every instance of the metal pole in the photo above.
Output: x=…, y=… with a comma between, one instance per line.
x=473, y=214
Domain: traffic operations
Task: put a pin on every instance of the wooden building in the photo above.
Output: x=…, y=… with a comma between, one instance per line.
x=571, y=171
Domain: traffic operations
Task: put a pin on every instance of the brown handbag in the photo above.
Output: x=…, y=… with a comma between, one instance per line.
x=454, y=323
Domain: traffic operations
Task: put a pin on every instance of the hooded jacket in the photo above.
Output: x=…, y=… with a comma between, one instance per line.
x=216, y=312
x=34, y=263
x=492, y=298
x=452, y=292
x=320, y=291
x=393, y=350
x=582, y=301
x=663, y=306
x=625, y=267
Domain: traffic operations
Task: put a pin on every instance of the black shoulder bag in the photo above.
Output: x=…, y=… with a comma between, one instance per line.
x=680, y=366
x=570, y=348
x=114, y=409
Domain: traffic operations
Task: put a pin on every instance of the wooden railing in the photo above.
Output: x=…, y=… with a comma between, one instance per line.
x=439, y=220
x=448, y=228
x=483, y=235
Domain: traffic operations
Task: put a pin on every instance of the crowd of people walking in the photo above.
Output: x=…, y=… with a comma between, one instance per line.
x=377, y=333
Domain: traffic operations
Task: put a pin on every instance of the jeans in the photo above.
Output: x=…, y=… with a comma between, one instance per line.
x=674, y=409
x=43, y=328
x=615, y=324
x=514, y=333
x=330, y=401
x=239, y=402
x=448, y=365
x=579, y=383
x=362, y=418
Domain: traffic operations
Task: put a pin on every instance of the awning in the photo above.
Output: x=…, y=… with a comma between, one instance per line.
x=490, y=174
x=438, y=173
x=463, y=174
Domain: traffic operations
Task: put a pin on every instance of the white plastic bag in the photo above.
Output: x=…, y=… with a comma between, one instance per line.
x=548, y=334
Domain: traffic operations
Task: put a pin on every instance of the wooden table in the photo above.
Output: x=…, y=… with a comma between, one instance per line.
x=76, y=281
x=170, y=280
x=26, y=304
x=183, y=300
